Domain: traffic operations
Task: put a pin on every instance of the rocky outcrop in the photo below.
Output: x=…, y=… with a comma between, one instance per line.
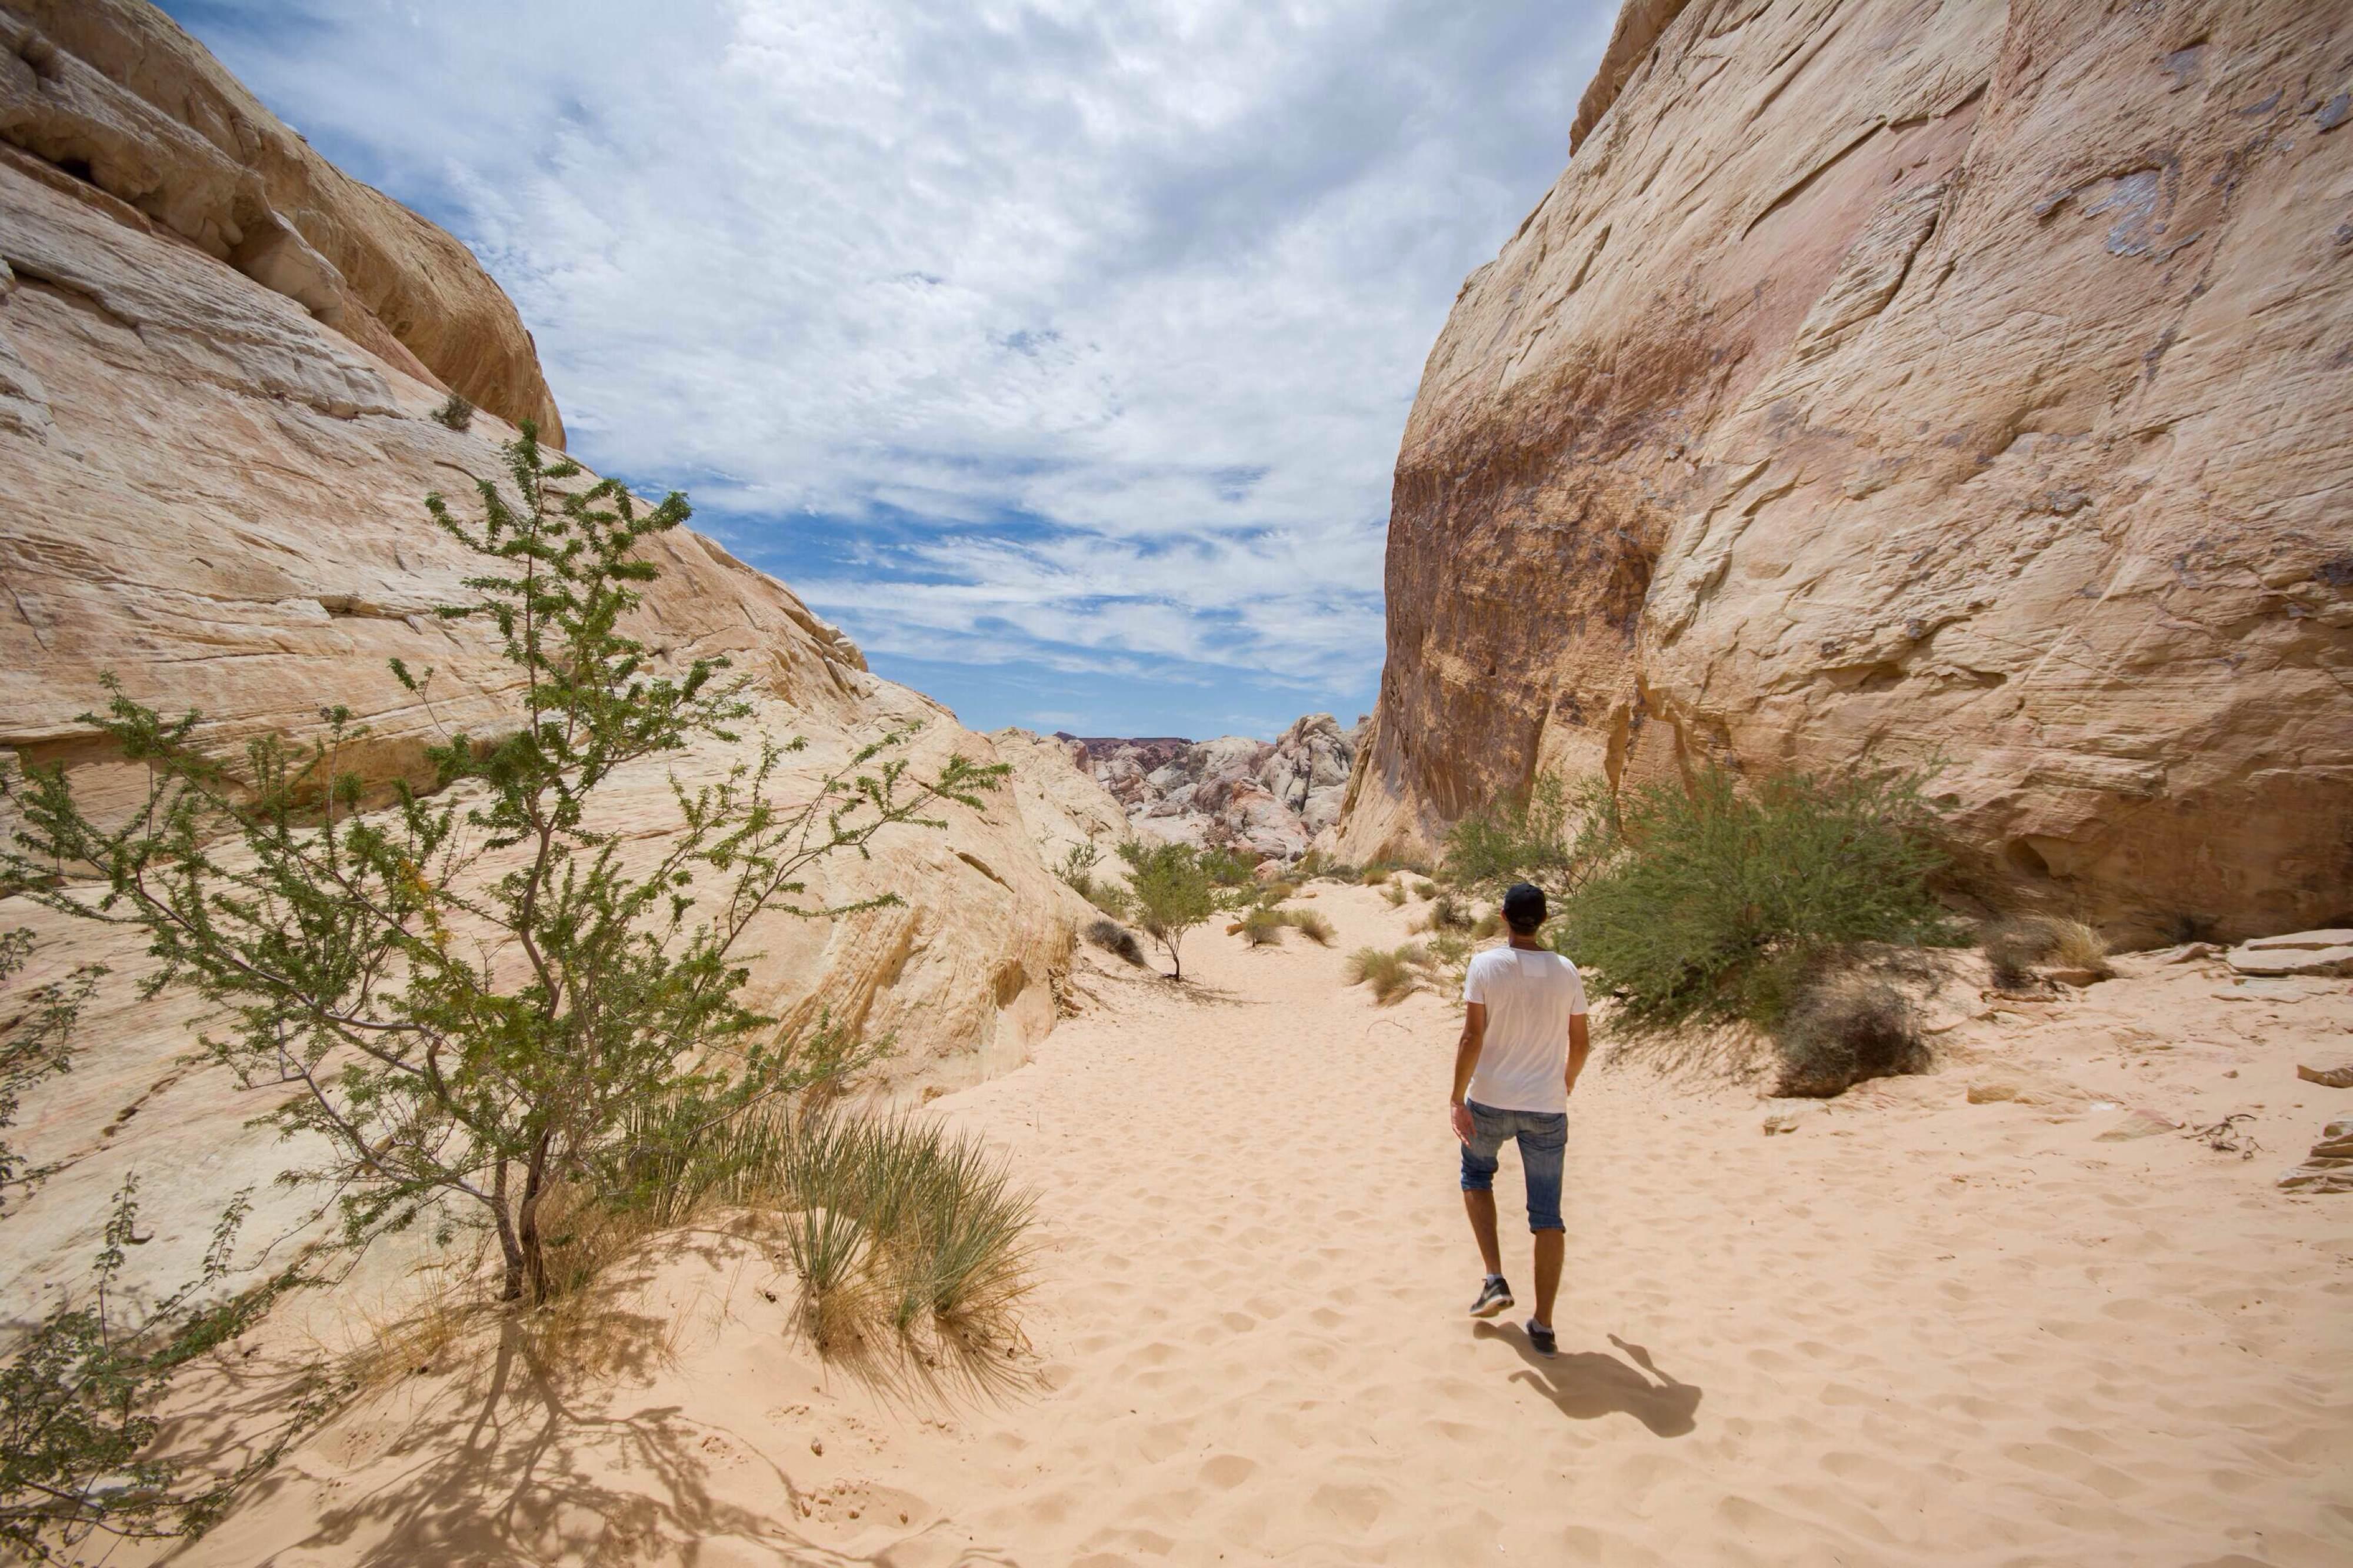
x=109, y=96
x=1268, y=800
x=1900, y=384
x=217, y=498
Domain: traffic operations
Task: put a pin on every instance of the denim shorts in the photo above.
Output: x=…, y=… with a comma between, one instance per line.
x=1544, y=1140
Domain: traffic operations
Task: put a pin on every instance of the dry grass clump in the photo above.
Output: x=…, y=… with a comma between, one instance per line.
x=1395, y=894
x=1425, y=892
x=1115, y=938
x=1392, y=973
x=1264, y=927
x=1311, y=925
x=1843, y=1028
x=455, y=413
x=1375, y=874
x=1487, y=925
x=1449, y=913
x=1275, y=892
x=2018, y=946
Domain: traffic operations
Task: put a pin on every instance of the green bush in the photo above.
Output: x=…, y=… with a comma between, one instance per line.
x=1173, y=889
x=1554, y=838
x=455, y=414
x=1719, y=903
x=1262, y=927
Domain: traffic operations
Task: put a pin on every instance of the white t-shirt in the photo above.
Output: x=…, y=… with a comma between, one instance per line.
x=1530, y=997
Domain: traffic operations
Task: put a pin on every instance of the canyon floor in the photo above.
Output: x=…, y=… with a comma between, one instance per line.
x=1917, y=1329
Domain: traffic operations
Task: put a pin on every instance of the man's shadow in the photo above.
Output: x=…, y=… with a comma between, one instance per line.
x=1587, y=1384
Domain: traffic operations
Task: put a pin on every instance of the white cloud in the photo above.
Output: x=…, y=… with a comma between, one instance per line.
x=1085, y=327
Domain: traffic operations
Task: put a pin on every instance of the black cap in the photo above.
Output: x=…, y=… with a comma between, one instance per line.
x=1524, y=907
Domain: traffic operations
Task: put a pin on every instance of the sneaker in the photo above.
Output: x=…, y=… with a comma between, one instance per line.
x=1542, y=1339
x=1494, y=1297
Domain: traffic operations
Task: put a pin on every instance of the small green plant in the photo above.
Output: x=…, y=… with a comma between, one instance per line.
x=1720, y=902
x=1311, y=925
x=1373, y=875
x=81, y=1396
x=1425, y=892
x=455, y=413
x=1077, y=868
x=1262, y=927
x=1226, y=867
x=1173, y=892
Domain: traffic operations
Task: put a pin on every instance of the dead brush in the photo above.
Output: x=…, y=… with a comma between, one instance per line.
x=1117, y=940
x=1391, y=974
x=1311, y=925
x=2016, y=947
x=1845, y=1027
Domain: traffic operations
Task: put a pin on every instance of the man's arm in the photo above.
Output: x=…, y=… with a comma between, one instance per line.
x=1466, y=1062
x=1580, y=1043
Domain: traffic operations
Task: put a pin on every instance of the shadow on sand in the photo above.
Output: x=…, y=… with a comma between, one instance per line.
x=1587, y=1385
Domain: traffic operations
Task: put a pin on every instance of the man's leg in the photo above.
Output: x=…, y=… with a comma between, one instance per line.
x=1544, y=1149
x=1480, y=1206
x=1551, y=1246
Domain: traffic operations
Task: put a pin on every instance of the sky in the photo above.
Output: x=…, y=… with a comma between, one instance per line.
x=1059, y=351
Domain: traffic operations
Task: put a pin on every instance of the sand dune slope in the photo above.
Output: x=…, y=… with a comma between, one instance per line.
x=1916, y=1330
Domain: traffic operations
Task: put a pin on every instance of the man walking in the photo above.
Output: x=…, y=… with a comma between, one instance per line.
x=1523, y=1043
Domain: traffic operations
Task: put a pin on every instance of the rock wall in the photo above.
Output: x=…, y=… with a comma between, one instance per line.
x=1268, y=800
x=217, y=498
x=1890, y=382
x=111, y=95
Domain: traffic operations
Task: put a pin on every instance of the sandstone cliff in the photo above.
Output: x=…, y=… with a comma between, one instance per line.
x=1890, y=381
x=111, y=95
x=218, y=497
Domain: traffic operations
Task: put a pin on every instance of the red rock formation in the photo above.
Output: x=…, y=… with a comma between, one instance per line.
x=1890, y=382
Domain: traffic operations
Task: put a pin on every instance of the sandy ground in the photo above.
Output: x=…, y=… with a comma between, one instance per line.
x=1914, y=1331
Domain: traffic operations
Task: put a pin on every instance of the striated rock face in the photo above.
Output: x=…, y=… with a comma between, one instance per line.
x=1889, y=382
x=111, y=96
x=217, y=498
x=1267, y=800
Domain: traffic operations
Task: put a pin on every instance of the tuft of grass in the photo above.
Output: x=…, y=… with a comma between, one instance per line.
x=1487, y=925
x=1311, y=925
x=2018, y=946
x=1395, y=893
x=1425, y=892
x=1373, y=875
x=1717, y=903
x=1845, y=1027
x=1264, y=927
x=1392, y=973
x=1117, y=938
x=455, y=413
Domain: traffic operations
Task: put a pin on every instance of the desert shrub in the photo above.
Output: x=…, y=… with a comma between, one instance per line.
x=1425, y=892
x=1553, y=838
x=1077, y=868
x=1375, y=874
x=1262, y=927
x=1311, y=925
x=1112, y=899
x=1716, y=903
x=1842, y=1028
x=1487, y=925
x=465, y=1079
x=82, y=1396
x=1276, y=892
x=1115, y=939
x=1172, y=892
x=455, y=413
x=1392, y=973
x=2016, y=947
x=1448, y=912
x=1226, y=867
x=1395, y=893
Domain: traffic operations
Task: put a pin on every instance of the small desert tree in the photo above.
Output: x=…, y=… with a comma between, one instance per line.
x=476, y=993
x=1172, y=892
